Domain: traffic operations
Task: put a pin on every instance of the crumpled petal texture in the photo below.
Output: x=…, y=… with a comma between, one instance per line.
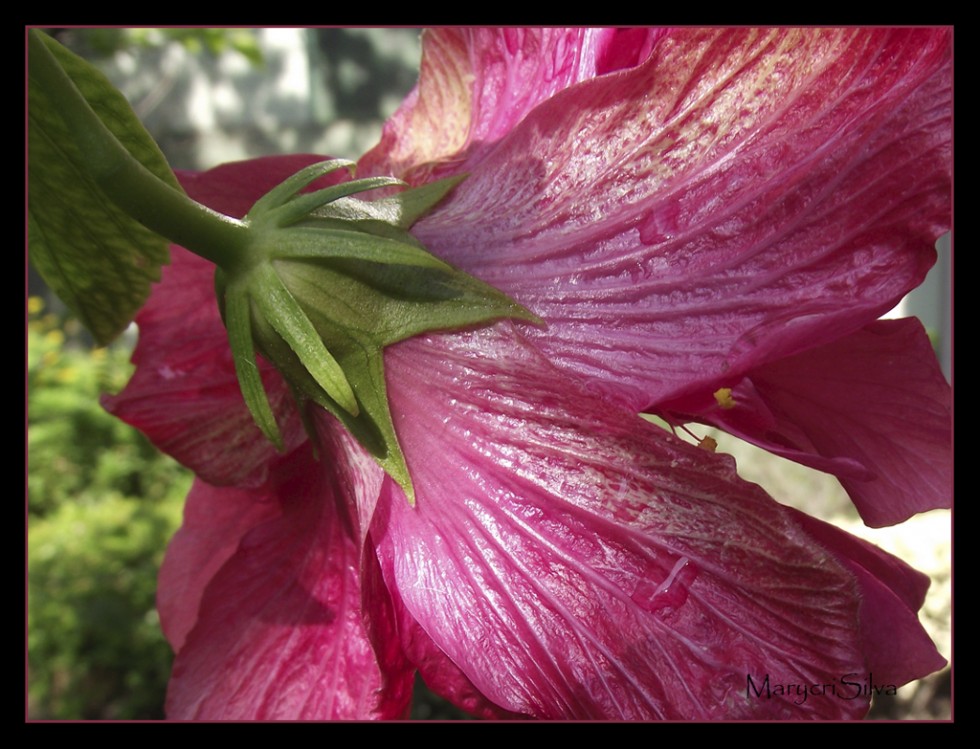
x=208, y=537
x=687, y=221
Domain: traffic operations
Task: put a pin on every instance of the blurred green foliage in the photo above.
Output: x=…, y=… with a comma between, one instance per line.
x=102, y=504
x=95, y=43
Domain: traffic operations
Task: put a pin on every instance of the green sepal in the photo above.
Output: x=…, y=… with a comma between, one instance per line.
x=283, y=205
x=289, y=187
x=386, y=303
x=358, y=307
x=399, y=211
x=307, y=243
x=96, y=258
x=412, y=204
x=333, y=280
x=277, y=305
x=236, y=309
x=372, y=427
x=301, y=206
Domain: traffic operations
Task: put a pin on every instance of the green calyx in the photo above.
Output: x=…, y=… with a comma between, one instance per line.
x=327, y=282
x=318, y=283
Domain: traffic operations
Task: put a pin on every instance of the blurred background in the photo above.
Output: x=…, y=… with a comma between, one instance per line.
x=102, y=502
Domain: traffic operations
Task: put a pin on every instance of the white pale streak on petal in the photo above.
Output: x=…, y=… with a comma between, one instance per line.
x=548, y=526
x=744, y=195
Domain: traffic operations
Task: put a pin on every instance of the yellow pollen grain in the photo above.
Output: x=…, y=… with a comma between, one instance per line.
x=724, y=398
x=708, y=443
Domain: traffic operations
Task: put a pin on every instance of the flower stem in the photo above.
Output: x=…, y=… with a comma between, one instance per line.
x=124, y=180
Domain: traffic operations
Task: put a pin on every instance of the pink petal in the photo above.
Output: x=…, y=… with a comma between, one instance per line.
x=872, y=408
x=573, y=561
x=296, y=623
x=215, y=521
x=741, y=196
x=441, y=675
x=184, y=395
x=891, y=594
x=680, y=224
x=476, y=84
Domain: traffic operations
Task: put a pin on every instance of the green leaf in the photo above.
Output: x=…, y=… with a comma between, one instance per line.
x=96, y=258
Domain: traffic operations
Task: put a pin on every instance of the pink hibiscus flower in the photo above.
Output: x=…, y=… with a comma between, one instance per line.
x=709, y=222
